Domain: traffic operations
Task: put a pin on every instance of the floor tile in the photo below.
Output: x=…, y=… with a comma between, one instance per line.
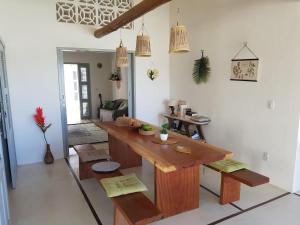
x=48, y=194
x=282, y=211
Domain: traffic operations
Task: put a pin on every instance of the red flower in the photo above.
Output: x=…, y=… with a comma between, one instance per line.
x=40, y=121
x=39, y=118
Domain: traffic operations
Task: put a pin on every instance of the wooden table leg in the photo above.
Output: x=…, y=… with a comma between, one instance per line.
x=123, y=154
x=200, y=132
x=178, y=191
x=230, y=190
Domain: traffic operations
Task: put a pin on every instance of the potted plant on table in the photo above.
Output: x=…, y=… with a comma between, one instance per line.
x=164, y=132
x=40, y=122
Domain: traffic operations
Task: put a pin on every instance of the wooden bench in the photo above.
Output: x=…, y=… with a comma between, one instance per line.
x=131, y=209
x=231, y=183
x=88, y=156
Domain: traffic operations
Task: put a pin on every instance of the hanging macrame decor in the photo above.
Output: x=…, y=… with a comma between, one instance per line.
x=201, y=69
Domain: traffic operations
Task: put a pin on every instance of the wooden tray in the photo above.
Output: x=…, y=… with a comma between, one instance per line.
x=147, y=133
x=170, y=141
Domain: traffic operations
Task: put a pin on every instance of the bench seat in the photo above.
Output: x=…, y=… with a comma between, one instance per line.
x=88, y=155
x=131, y=209
x=231, y=183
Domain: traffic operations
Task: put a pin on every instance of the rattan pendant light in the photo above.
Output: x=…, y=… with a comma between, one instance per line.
x=143, y=46
x=179, y=42
x=121, y=55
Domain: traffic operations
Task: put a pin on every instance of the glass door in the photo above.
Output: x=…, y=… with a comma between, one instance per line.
x=84, y=91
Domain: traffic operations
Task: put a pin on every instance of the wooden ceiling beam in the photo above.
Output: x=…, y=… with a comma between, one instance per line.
x=135, y=12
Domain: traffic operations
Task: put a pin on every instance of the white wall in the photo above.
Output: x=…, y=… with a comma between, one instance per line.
x=99, y=78
x=31, y=34
x=241, y=121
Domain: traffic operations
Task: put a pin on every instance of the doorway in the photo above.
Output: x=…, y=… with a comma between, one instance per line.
x=89, y=94
x=77, y=92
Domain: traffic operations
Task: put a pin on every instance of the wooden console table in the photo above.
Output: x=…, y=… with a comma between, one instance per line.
x=186, y=123
x=176, y=175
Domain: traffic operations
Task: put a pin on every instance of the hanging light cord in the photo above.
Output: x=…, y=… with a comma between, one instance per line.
x=121, y=41
x=178, y=16
x=143, y=28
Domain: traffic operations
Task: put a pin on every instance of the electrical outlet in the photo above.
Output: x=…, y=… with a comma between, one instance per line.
x=266, y=156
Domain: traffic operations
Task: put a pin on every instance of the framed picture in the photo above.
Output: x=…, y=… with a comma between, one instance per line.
x=244, y=70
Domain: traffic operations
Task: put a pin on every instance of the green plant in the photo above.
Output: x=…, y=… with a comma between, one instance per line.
x=201, y=70
x=164, y=129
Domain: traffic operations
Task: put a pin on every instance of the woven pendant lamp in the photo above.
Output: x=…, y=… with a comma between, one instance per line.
x=143, y=46
x=121, y=56
x=179, y=42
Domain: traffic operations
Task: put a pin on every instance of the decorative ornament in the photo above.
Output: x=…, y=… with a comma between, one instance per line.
x=99, y=65
x=143, y=46
x=116, y=76
x=201, y=69
x=179, y=38
x=153, y=74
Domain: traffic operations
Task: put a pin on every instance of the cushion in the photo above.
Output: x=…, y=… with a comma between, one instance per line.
x=228, y=165
x=117, y=103
x=122, y=185
x=123, y=105
x=109, y=105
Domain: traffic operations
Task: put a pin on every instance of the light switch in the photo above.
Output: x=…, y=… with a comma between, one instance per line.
x=271, y=104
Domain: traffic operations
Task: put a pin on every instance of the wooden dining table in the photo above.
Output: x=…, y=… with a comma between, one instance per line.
x=177, y=175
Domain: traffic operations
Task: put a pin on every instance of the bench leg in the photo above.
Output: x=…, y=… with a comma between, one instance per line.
x=119, y=218
x=230, y=190
x=85, y=171
x=177, y=191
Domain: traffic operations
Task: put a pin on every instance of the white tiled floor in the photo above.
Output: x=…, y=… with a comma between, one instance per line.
x=49, y=195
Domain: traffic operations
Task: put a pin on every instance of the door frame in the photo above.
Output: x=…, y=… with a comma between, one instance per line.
x=8, y=122
x=60, y=63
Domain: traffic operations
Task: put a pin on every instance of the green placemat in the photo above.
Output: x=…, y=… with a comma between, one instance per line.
x=228, y=165
x=122, y=185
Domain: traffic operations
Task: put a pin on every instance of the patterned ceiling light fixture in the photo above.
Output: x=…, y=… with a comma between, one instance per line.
x=121, y=55
x=179, y=38
x=143, y=46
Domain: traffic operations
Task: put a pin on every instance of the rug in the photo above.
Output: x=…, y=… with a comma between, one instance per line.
x=85, y=134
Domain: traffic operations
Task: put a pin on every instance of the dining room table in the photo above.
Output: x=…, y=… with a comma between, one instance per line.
x=176, y=172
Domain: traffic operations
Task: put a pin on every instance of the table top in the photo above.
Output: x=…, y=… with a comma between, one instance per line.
x=185, y=119
x=164, y=157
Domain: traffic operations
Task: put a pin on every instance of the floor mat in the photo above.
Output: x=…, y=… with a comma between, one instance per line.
x=85, y=134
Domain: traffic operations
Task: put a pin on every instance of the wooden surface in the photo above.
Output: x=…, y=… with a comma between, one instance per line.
x=185, y=119
x=120, y=152
x=178, y=191
x=163, y=156
x=83, y=151
x=231, y=183
x=186, y=122
x=135, y=12
x=249, y=178
x=230, y=190
x=246, y=176
x=131, y=209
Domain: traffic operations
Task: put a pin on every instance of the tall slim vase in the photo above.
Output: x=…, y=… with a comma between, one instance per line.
x=48, y=159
